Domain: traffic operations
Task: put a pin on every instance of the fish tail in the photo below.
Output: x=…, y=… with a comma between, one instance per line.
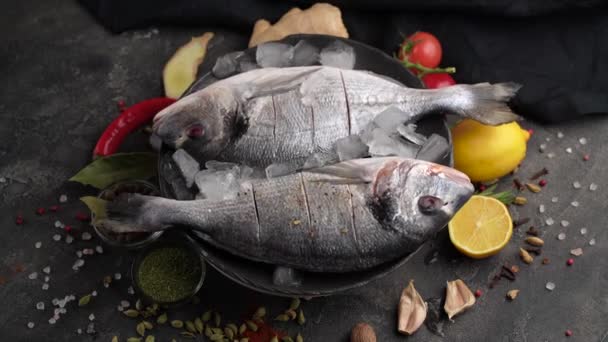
x=483, y=102
x=134, y=213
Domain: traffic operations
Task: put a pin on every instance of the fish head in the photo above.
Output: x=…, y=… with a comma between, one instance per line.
x=202, y=123
x=421, y=197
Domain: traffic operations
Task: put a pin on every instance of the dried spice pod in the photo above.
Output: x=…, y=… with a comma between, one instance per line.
x=363, y=332
x=512, y=294
x=458, y=298
x=412, y=310
x=520, y=200
x=535, y=241
x=533, y=187
x=525, y=256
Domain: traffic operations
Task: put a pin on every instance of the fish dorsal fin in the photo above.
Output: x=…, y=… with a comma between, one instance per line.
x=270, y=81
x=354, y=171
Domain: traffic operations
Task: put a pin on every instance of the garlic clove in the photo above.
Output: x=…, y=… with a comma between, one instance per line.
x=458, y=298
x=412, y=310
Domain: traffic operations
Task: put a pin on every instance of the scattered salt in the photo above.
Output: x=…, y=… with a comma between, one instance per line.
x=33, y=275
x=130, y=290
x=55, y=301
x=99, y=249
x=57, y=311
x=125, y=303
x=86, y=236
x=592, y=242
x=565, y=223
x=569, y=150
x=574, y=203
x=46, y=279
x=2, y=180
x=52, y=320
x=94, y=293
x=576, y=185
x=120, y=308
x=561, y=236
x=550, y=155
x=550, y=286
x=40, y=305
x=117, y=276
x=30, y=325
x=38, y=244
x=548, y=138
x=63, y=310
x=542, y=147
x=69, y=239
x=63, y=198
x=45, y=286
x=79, y=331
x=47, y=270
x=56, y=237
x=554, y=199
x=577, y=252
x=78, y=264
x=58, y=224
x=583, y=231
x=91, y=328
x=91, y=317
x=79, y=254
x=560, y=135
x=583, y=141
x=549, y=221
x=541, y=208
x=592, y=186
x=88, y=251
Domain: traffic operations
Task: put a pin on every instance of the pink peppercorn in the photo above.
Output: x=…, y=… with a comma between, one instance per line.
x=568, y=332
x=542, y=182
x=530, y=131
x=570, y=262
x=586, y=157
x=82, y=217
x=54, y=208
x=19, y=220
x=40, y=211
x=67, y=228
x=478, y=293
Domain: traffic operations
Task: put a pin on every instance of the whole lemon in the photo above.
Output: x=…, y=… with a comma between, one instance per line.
x=485, y=152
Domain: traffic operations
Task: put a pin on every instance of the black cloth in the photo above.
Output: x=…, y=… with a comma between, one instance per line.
x=558, y=49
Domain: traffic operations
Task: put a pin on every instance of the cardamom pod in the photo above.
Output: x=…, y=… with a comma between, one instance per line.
x=115, y=339
x=301, y=318
x=242, y=329
x=217, y=331
x=291, y=314
x=229, y=333
x=233, y=327
x=217, y=319
x=252, y=326
x=533, y=187
x=162, y=319
x=282, y=318
x=535, y=241
x=187, y=334
x=525, y=256
x=274, y=339
x=295, y=304
x=150, y=338
x=84, y=300
x=177, y=324
x=141, y=330
x=286, y=339
x=190, y=327
x=412, y=310
x=259, y=313
x=244, y=339
x=206, y=316
x=458, y=298
x=519, y=200
x=299, y=338
x=131, y=313
x=198, y=324
x=216, y=337
x=208, y=331
x=134, y=339
x=138, y=305
x=148, y=325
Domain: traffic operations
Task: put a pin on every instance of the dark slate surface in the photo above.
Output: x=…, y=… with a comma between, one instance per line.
x=62, y=75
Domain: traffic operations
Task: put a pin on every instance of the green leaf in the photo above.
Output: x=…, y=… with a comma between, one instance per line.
x=488, y=191
x=506, y=197
x=105, y=171
x=96, y=205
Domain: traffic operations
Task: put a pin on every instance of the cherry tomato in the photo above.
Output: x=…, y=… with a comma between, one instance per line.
x=423, y=48
x=440, y=80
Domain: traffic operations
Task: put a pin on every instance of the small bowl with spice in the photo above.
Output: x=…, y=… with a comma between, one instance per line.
x=169, y=271
x=129, y=240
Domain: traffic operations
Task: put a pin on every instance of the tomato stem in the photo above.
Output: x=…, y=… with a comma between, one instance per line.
x=423, y=71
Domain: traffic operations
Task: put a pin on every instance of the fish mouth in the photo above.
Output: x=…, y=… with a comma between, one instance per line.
x=163, y=128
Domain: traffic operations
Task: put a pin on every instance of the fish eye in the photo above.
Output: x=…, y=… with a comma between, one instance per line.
x=195, y=131
x=429, y=205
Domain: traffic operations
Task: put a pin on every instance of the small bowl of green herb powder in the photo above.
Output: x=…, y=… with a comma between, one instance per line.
x=170, y=271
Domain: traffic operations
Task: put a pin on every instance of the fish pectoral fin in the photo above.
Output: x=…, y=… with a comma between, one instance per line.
x=354, y=171
x=276, y=82
x=133, y=213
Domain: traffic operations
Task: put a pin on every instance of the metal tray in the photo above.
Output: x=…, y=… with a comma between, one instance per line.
x=257, y=275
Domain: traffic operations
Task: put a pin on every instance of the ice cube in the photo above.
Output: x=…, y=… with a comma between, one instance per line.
x=215, y=165
x=280, y=169
x=274, y=55
x=155, y=142
x=390, y=119
x=319, y=160
x=409, y=133
x=305, y=54
x=351, y=147
x=434, y=149
x=187, y=165
x=383, y=145
x=218, y=185
x=226, y=65
x=338, y=54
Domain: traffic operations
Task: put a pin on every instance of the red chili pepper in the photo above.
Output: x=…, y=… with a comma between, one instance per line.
x=482, y=187
x=130, y=119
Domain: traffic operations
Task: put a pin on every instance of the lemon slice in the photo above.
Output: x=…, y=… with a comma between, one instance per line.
x=481, y=228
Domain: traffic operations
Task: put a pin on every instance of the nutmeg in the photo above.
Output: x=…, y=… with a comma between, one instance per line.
x=362, y=332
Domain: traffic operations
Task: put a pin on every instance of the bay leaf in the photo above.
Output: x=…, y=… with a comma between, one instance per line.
x=105, y=171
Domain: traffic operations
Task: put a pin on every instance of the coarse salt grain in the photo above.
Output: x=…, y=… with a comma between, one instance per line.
x=91, y=317
x=55, y=301
x=130, y=290
x=30, y=325
x=577, y=252
x=550, y=286
x=583, y=231
x=576, y=185
x=592, y=242
x=38, y=244
x=52, y=320
x=548, y=139
x=40, y=305
x=542, y=147
x=592, y=186
x=47, y=270
x=63, y=198
x=69, y=239
x=560, y=135
x=46, y=279
x=45, y=286
x=99, y=249
x=79, y=331
x=541, y=208
x=565, y=223
x=550, y=155
x=569, y=150
x=549, y=221
x=125, y=303
x=56, y=237
x=117, y=276
x=88, y=251
x=554, y=199
x=33, y=275
x=94, y=293
x=561, y=236
x=86, y=236
x=583, y=141
x=119, y=308
x=574, y=203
